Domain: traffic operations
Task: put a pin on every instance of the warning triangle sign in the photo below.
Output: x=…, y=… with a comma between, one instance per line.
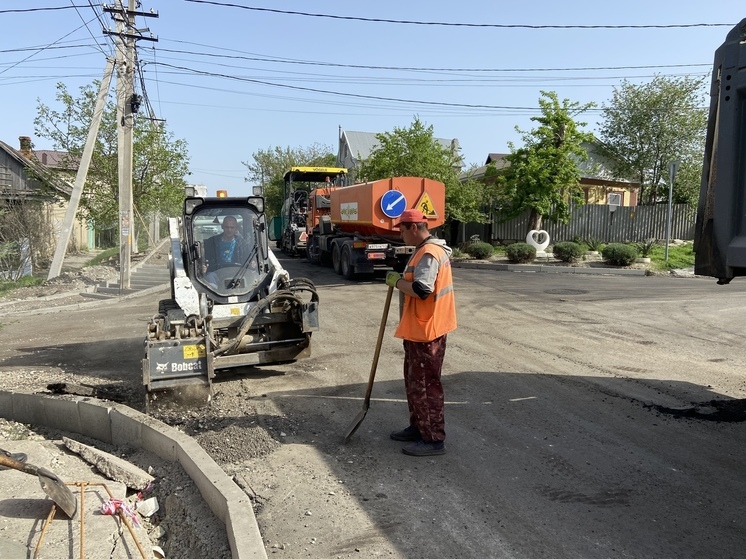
x=426, y=206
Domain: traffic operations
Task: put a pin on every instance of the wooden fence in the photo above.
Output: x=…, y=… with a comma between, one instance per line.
x=626, y=224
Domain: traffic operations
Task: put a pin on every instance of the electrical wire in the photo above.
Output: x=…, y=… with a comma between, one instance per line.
x=453, y=24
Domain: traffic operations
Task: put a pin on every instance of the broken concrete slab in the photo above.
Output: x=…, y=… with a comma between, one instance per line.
x=111, y=466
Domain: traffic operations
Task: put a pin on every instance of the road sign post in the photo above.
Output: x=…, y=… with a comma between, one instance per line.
x=672, y=168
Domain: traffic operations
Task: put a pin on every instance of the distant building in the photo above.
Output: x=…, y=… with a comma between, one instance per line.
x=26, y=174
x=597, y=181
x=355, y=147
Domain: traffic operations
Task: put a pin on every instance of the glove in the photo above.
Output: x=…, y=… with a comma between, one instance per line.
x=392, y=278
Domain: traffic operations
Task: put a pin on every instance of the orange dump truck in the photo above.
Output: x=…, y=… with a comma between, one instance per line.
x=356, y=228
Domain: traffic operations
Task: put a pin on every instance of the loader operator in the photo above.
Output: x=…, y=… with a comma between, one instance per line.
x=428, y=313
x=226, y=249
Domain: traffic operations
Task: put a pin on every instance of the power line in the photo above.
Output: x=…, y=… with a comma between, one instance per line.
x=426, y=69
x=452, y=24
x=24, y=10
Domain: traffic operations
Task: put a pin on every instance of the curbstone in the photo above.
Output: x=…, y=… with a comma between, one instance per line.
x=114, y=423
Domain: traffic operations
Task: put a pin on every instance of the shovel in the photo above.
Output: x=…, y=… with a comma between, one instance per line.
x=53, y=486
x=366, y=402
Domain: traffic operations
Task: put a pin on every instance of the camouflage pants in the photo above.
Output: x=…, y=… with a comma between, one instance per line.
x=422, y=364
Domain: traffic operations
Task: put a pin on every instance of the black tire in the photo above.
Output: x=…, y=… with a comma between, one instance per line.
x=336, y=258
x=312, y=251
x=346, y=268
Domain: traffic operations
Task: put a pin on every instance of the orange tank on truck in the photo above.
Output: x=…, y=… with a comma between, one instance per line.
x=374, y=208
x=356, y=228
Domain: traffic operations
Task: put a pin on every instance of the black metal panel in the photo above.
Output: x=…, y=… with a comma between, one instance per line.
x=720, y=233
x=174, y=362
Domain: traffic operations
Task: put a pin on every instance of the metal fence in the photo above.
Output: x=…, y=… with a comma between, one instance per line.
x=626, y=224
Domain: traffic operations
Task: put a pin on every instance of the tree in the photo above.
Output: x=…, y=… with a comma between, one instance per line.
x=647, y=126
x=24, y=227
x=543, y=175
x=270, y=165
x=414, y=152
x=160, y=162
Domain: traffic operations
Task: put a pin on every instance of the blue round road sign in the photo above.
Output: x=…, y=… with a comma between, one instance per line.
x=393, y=203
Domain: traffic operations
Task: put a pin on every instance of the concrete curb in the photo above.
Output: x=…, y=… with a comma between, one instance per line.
x=117, y=424
x=548, y=269
x=86, y=305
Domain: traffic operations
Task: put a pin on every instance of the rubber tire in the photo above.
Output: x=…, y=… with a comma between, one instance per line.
x=336, y=258
x=345, y=264
x=312, y=251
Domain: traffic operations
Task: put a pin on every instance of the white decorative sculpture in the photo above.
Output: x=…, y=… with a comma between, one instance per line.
x=539, y=239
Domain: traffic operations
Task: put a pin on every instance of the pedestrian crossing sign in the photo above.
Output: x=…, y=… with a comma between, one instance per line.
x=426, y=206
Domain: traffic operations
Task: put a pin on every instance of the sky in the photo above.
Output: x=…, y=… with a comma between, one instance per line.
x=234, y=77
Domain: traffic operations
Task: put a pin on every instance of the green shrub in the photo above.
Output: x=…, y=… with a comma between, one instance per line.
x=594, y=243
x=568, y=251
x=619, y=254
x=480, y=250
x=646, y=247
x=520, y=253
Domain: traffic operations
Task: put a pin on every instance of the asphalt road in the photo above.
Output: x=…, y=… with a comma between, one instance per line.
x=587, y=416
x=581, y=418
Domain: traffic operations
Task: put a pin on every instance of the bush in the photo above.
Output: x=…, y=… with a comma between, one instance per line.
x=568, y=251
x=619, y=254
x=646, y=247
x=520, y=253
x=594, y=243
x=480, y=250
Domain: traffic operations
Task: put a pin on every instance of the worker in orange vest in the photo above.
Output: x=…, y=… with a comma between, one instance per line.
x=428, y=313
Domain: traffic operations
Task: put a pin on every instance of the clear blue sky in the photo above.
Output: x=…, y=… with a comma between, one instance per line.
x=230, y=81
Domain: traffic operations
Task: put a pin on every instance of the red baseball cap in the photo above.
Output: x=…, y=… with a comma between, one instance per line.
x=412, y=216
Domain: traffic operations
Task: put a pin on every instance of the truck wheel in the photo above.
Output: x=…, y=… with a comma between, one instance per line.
x=348, y=272
x=336, y=259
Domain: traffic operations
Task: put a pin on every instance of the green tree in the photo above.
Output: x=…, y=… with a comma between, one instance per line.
x=269, y=166
x=414, y=152
x=647, y=126
x=160, y=162
x=543, y=175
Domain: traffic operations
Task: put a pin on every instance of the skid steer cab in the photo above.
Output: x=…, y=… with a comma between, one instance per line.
x=232, y=304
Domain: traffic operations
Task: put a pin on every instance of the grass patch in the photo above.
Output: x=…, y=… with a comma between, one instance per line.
x=26, y=281
x=681, y=256
x=104, y=256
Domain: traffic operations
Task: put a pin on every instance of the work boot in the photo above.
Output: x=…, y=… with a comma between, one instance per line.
x=407, y=434
x=425, y=448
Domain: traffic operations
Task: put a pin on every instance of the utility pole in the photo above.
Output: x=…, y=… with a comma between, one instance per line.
x=72, y=207
x=127, y=105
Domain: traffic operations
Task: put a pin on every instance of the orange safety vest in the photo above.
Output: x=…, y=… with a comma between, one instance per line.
x=423, y=320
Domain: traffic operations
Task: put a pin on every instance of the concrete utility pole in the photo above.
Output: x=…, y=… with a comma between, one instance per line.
x=85, y=161
x=127, y=104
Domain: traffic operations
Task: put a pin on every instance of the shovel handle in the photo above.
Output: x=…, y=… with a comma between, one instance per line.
x=377, y=353
x=9, y=462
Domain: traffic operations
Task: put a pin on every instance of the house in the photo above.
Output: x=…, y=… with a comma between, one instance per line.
x=596, y=178
x=26, y=175
x=355, y=147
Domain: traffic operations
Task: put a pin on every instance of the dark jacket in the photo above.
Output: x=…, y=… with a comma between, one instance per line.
x=212, y=251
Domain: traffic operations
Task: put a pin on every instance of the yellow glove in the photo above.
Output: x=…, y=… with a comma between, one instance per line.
x=392, y=278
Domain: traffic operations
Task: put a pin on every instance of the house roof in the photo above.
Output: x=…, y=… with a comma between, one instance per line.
x=40, y=170
x=361, y=144
x=55, y=159
x=595, y=168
